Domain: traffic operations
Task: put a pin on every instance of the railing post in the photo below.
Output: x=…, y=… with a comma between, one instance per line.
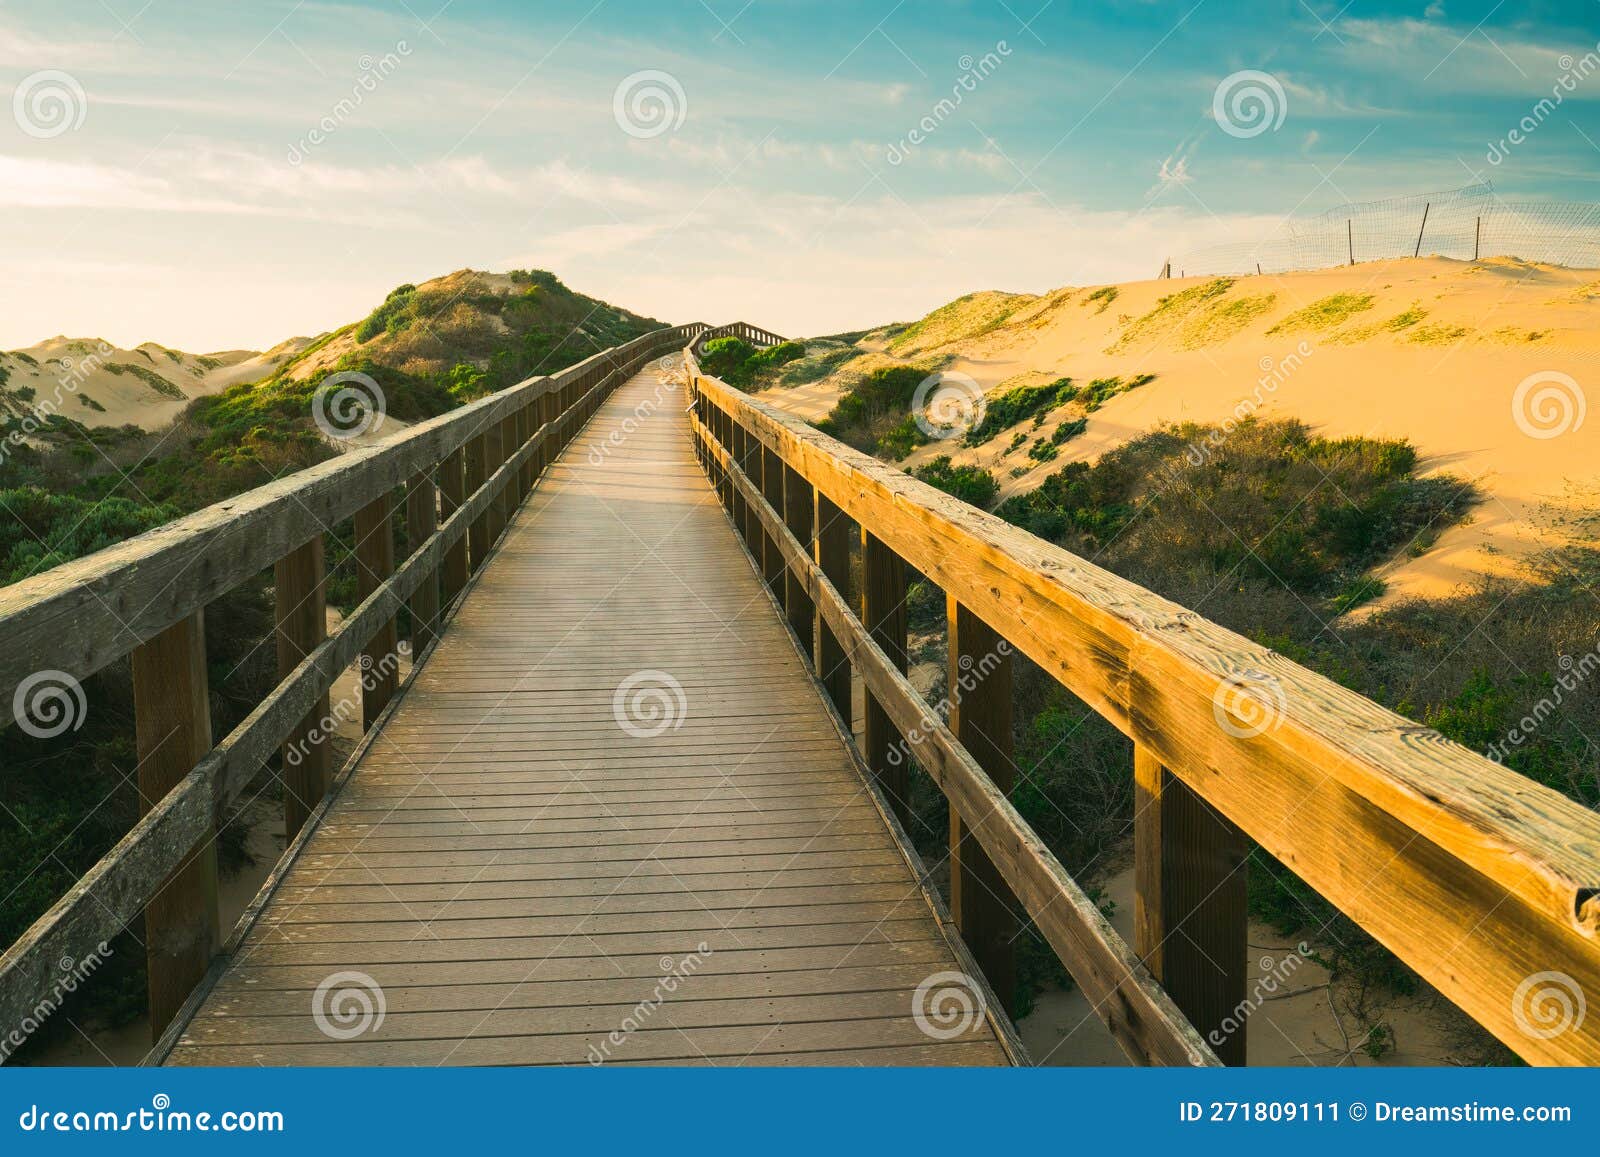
x=374, y=565
x=883, y=613
x=478, y=532
x=172, y=725
x=833, y=557
x=772, y=490
x=452, y=492
x=494, y=456
x=422, y=519
x=300, y=590
x=1190, y=921
x=525, y=473
x=798, y=510
x=980, y=717
x=750, y=464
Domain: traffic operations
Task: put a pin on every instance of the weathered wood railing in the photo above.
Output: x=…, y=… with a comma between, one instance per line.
x=753, y=334
x=463, y=473
x=1485, y=882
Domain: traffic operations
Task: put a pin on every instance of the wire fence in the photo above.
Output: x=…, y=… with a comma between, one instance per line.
x=1467, y=224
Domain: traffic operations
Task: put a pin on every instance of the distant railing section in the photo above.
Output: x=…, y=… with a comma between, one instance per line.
x=753, y=334
x=1485, y=882
x=463, y=475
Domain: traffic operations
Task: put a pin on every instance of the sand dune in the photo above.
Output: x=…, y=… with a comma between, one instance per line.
x=1431, y=350
x=98, y=384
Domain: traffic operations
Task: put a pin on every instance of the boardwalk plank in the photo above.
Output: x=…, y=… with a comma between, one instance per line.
x=614, y=770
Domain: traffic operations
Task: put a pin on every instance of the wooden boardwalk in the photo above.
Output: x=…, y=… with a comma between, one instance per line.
x=611, y=819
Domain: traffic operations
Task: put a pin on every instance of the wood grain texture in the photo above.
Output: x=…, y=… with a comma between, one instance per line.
x=172, y=711
x=1440, y=854
x=300, y=594
x=115, y=891
x=544, y=897
x=1139, y=1014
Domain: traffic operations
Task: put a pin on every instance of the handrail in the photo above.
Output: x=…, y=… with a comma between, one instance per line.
x=1477, y=877
x=146, y=597
x=740, y=329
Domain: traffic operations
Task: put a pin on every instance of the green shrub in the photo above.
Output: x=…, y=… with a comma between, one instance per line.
x=390, y=317
x=968, y=483
x=1002, y=411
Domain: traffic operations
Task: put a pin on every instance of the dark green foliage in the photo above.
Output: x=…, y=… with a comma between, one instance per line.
x=968, y=483
x=1002, y=411
x=878, y=407
x=726, y=358
x=390, y=317
x=1267, y=500
x=745, y=367
x=1102, y=390
x=41, y=530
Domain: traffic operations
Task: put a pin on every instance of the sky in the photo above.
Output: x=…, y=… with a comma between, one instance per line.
x=227, y=175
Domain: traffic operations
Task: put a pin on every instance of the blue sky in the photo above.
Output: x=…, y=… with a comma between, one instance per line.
x=229, y=174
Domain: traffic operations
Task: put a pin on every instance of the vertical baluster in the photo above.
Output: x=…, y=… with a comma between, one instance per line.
x=374, y=564
x=883, y=613
x=478, y=534
x=525, y=473
x=772, y=491
x=452, y=492
x=172, y=724
x=300, y=590
x=494, y=456
x=980, y=716
x=833, y=556
x=798, y=509
x=422, y=519
x=1190, y=920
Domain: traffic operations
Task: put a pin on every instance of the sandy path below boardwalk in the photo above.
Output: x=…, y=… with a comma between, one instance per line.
x=1302, y=1019
x=1447, y=382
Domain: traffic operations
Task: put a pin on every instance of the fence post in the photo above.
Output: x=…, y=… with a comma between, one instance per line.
x=478, y=532
x=833, y=556
x=1190, y=922
x=1425, y=207
x=772, y=491
x=422, y=519
x=374, y=564
x=452, y=492
x=1477, y=236
x=300, y=591
x=980, y=716
x=172, y=726
x=494, y=456
x=883, y=613
x=798, y=509
x=1350, y=238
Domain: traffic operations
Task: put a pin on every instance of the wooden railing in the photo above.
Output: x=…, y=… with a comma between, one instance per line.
x=1484, y=882
x=753, y=334
x=463, y=475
